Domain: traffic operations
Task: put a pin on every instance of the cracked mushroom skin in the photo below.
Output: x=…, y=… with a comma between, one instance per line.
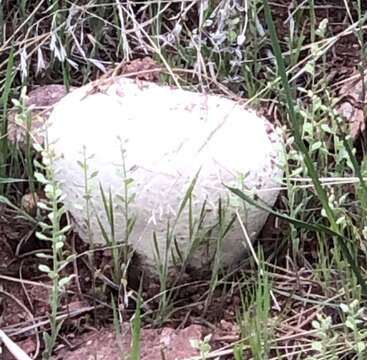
x=166, y=136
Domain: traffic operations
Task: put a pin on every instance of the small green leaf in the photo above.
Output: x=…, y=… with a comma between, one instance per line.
x=65, y=281
x=94, y=174
x=315, y=146
x=360, y=347
x=44, y=268
x=44, y=256
x=41, y=236
x=315, y=324
x=40, y=178
x=43, y=206
x=317, y=346
x=345, y=308
x=59, y=245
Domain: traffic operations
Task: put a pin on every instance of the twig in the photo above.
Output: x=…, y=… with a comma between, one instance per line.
x=20, y=304
x=13, y=348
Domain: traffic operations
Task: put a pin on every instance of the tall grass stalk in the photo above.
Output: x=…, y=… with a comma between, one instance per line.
x=136, y=325
x=24, y=117
x=52, y=232
x=223, y=226
x=121, y=253
x=88, y=195
x=256, y=321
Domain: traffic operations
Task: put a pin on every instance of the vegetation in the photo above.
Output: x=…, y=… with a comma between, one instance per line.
x=302, y=293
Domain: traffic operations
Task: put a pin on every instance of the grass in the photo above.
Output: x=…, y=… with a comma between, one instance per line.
x=305, y=296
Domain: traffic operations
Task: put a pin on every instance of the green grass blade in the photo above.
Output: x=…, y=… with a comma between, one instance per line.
x=136, y=328
x=294, y=120
x=9, y=77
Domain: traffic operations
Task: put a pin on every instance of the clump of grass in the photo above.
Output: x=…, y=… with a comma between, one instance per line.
x=255, y=323
x=120, y=248
x=171, y=250
x=88, y=194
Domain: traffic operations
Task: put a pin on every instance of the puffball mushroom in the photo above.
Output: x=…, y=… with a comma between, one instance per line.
x=146, y=143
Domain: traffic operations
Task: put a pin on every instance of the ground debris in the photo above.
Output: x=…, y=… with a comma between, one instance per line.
x=105, y=344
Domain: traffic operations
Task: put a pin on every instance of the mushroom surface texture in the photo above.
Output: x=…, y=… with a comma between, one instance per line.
x=147, y=143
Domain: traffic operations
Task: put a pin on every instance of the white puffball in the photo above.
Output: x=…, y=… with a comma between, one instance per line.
x=166, y=136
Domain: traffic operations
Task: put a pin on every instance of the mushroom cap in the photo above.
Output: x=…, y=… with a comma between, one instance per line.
x=163, y=137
